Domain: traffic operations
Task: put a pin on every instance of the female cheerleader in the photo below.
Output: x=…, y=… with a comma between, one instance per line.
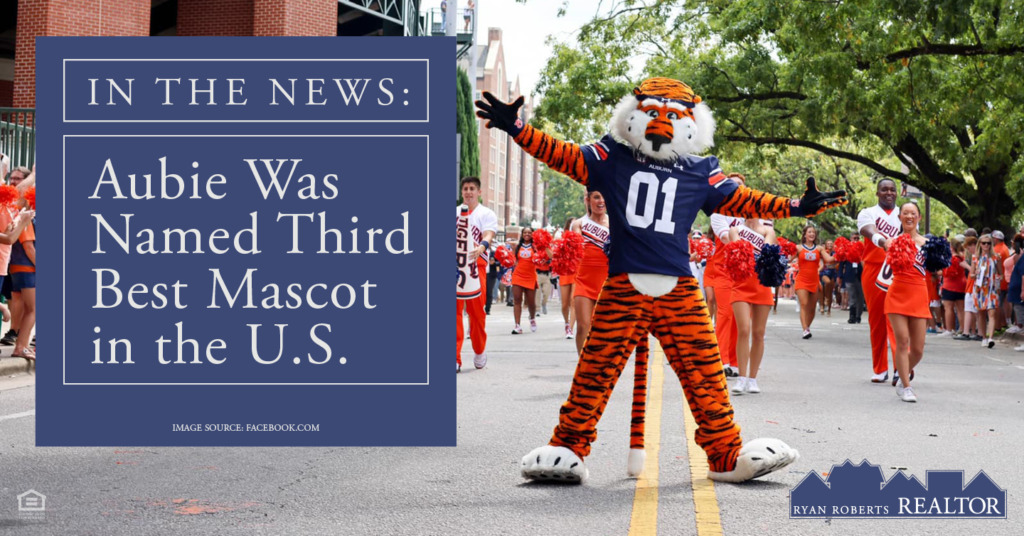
x=751, y=302
x=906, y=306
x=524, y=281
x=809, y=256
x=593, y=270
x=829, y=275
x=565, y=286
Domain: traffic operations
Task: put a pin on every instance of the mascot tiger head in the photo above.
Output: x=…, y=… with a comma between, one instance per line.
x=664, y=120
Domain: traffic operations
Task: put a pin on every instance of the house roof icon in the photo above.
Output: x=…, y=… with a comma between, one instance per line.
x=31, y=501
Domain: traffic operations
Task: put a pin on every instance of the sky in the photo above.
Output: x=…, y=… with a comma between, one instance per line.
x=525, y=28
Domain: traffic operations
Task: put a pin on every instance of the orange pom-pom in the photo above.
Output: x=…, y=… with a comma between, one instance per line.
x=541, y=239
x=567, y=252
x=702, y=250
x=788, y=248
x=739, y=260
x=854, y=251
x=842, y=246
x=8, y=196
x=30, y=196
x=901, y=254
x=505, y=256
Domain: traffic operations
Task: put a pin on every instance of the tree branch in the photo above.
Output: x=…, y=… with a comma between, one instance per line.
x=759, y=96
x=824, y=149
x=955, y=50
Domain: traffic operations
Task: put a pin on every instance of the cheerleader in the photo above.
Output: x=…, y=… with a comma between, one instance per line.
x=809, y=257
x=906, y=306
x=565, y=286
x=524, y=281
x=829, y=275
x=593, y=270
x=751, y=303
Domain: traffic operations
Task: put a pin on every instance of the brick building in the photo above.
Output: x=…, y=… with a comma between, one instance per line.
x=509, y=177
x=21, y=21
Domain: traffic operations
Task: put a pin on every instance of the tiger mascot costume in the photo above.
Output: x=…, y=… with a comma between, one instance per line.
x=653, y=183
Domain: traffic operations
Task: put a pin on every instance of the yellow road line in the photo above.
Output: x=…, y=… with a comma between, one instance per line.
x=705, y=501
x=644, y=521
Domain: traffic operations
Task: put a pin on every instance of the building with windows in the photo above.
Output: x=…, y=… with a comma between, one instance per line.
x=510, y=178
x=21, y=21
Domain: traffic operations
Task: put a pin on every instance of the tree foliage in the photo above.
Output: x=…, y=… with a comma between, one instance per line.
x=564, y=197
x=465, y=124
x=928, y=93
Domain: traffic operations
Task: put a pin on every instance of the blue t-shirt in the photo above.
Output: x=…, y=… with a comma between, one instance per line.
x=652, y=205
x=1013, y=290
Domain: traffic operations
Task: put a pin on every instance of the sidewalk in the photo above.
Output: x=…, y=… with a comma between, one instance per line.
x=14, y=365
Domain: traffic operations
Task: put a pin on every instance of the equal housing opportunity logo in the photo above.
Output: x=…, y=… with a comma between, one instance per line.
x=861, y=491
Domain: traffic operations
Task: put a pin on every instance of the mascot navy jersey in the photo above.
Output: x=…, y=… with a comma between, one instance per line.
x=651, y=205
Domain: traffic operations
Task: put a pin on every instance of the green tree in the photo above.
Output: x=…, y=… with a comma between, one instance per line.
x=564, y=196
x=923, y=92
x=465, y=124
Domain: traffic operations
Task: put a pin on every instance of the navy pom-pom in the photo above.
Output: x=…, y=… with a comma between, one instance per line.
x=770, y=266
x=937, y=253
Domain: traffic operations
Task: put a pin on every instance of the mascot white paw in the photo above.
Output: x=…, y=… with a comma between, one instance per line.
x=553, y=463
x=635, y=463
x=758, y=458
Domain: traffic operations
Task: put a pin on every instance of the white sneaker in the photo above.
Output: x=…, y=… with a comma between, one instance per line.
x=880, y=377
x=945, y=334
x=739, y=386
x=752, y=386
x=991, y=343
x=908, y=395
x=899, y=387
x=568, y=331
x=517, y=330
x=1013, y=329
x=533, y=325
x=480, y=360
x=735, y=370
x=807, y=334
x=1019, y=348
x=984, y=343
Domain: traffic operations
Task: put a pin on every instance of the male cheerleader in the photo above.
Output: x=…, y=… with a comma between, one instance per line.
x=878, y=225
x=483, y=223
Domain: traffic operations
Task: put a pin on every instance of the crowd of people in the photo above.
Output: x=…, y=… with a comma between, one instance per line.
x=976, y=297
x=18, y=260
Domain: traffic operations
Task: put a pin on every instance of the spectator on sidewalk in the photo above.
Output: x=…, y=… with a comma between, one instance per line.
x=1015, y=290
x=987, y=276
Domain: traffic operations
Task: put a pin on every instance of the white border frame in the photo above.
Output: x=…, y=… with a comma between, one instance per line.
x=64, y=267
x=64, y=87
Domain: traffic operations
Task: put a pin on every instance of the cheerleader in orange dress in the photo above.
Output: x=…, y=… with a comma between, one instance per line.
x=751, y=303
x=906, y=306
x=593, y=270
x=809, y=257
x=565, y=286
x=524, y=280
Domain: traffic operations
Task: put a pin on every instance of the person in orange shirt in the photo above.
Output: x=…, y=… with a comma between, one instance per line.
x=1004, y=310
x=809, y=256
x=565, y=285
x=969, y=325
x=878, y=224
x=524, y=281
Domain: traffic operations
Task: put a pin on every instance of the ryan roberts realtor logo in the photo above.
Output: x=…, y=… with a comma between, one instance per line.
x=861, y=491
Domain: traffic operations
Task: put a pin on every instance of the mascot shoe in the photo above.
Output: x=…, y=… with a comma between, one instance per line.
x=758, y=458
x=558, y=464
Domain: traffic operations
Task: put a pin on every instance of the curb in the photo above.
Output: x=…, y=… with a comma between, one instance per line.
x=15, y=365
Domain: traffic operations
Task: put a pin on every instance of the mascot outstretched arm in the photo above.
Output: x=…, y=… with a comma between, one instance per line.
x=654, y=183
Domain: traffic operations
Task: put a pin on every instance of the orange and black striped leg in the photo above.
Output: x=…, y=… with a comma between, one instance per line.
x=637, y=455
x=682, y=325
x=636, y=429
x=621, y=316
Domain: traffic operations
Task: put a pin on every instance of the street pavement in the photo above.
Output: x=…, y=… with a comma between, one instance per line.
x=816, y=397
